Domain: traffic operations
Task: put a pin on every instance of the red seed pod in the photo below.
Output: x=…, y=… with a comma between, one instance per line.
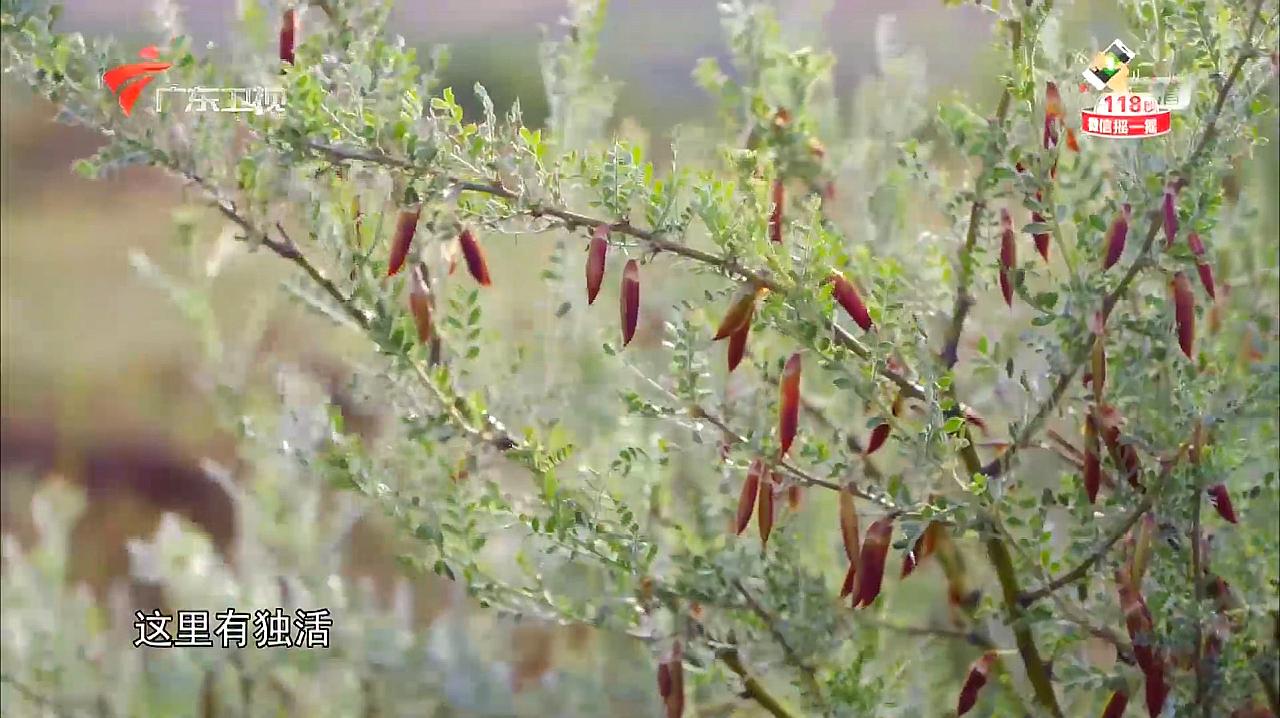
x=473, y=255
x=775, y=213
x=630, y=300
x=878, y=437
x=789, y=404
x=1053, y=107
x=1169, y=211
x=1206, y=279
x=849, y=526
x=747, y=499
x=420, y=302
x=1041, y=239
x=1124, y=455
x=1221, y=501
x=850, y=577
x=1072, y=143
x=764, y=509
x=1098, y=367
x=740, y=312
x=1116, y=237
x=1092, y=459
x=664, y=681
x=288, y=35
x=1157, y=691
x=922, y=550
x=875, y=547
x=1053, y=114
x=794, y=494
x=974, y=682
x=1184, y=310
x=674, y=700
x=847, y=296
x=738, y=346
x=596, y=252
x=1008, y=256
x=406, y=225
x=1116, y=705
x=1196, y=244
x=1049, y=137
x=1137, y=620
x=1143, y=536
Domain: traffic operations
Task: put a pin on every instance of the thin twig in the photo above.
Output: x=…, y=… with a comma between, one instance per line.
x=972, y=637
x=1100, y=551
x=806, y=671
x=751, y=686
x=850, y=441
x=964, y=301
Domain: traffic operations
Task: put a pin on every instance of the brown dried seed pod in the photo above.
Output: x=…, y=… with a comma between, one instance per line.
x=406, y=225
x=420, y=302
x=629, y=301
x=846, y=294
x=596, y=253
x=789, y=404
x=473, y=255
x=1184, y=309
x=747, y=499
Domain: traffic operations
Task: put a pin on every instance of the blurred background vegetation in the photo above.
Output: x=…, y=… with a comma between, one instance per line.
x=95, y=368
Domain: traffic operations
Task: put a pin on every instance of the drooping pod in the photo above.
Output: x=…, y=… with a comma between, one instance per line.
x=795, y=494
x=1116, y=705
x=420, y=302
x=1072, y=143
x=1116, y=237
x=596, y=253
x=747, y=499
x=1092, y=458
x=977, y=678
x=671, y=682
x=1041, y=238
x=878, y=436
x=764, y=507
x=1202, y=266
x=629, y=300
x=1008, y=256
x=849, y=526
x=1184, y=310
x=923, y=548
x=775, y=212
x=1150, y=658
x=1053, y=114
x=875, y=547
x=846, y=294
x=738, y=346
x=740, y=312
x=1221, y=501
x=473, y=255
x=1143, y=538
x=288, y=35
x=788, y=404
x=406, y=226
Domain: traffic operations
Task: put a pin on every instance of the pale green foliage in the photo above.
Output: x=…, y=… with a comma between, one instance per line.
x=562, y=477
